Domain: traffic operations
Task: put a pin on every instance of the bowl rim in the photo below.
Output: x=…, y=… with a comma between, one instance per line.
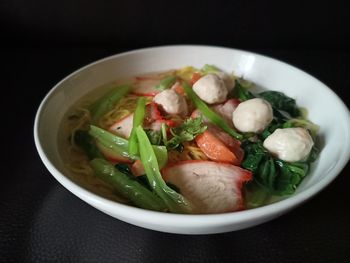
x=188, y=220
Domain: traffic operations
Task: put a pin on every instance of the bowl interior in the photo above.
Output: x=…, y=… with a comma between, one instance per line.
x=324, y=107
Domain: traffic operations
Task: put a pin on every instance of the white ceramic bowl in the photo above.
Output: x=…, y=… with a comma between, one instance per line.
x=324, y=108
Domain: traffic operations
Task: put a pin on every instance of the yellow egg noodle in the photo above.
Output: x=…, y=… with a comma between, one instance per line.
x=78, y=162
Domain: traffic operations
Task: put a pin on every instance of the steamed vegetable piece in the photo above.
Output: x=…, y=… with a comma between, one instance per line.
x=241, y=91
x=275, y=176
x=85, y=141
x=166, y=83
x=306, y=124
x=115, y=143
x=290, y=123
x=174, y=201
x=139, y=115
x=120, y=146
x=278, y=100
x=206, y=69
x=210, y=114
x=187, y=131
x=281, y=102
x=106, y=103
x=126, y=186
x=155, y=136
x=255, y=195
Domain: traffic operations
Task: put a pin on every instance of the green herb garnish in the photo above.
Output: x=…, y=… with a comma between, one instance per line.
x=187, y=131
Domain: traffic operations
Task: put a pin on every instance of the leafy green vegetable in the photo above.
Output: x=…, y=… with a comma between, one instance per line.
x=115, y=143
x=276, y=176
x=255, y=195
x=120, y=146
x=174, y=201
x=275, y=124
x=315, y=152
x=272, y=175
x=161, y=153
x=86, y=142
x=166, y=83
x=154, y=136
x=306, y=124
x=107, y=102
x=187, y=131
x=206, y=69
x=278, y=100
x=254, y=154
x=164, y=133
x=282, y=122
x=125, y=169
x=138, y=118
x=126, y=186
x=290, y=176
x=210, y=114
x=281, y=102
x=241, y=90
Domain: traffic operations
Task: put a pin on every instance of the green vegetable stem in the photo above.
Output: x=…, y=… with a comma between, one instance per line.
x=139, y=115
x=241, y=91
x=107, y=102
x=166, y=83
x=174, y=201
x=120, y=146
x=206, y=69
x=304, y=123
x=211, y=115
x=126, y=186
x=114, y=143
x=86, y=142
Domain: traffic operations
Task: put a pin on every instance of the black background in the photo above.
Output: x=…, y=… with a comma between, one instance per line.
x=43, y=41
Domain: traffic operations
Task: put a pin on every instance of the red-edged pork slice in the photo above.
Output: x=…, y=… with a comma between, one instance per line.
x=137, y=168
x=112, y=156
x=123, y=127
x=153, y=120
x=145, y=87
x=226, y=109
x=211, y=187
x=152, y=112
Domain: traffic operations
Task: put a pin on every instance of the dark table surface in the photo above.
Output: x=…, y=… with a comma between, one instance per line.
x=40, y=221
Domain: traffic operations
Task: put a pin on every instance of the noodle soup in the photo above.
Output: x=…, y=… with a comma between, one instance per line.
x=185, y=141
